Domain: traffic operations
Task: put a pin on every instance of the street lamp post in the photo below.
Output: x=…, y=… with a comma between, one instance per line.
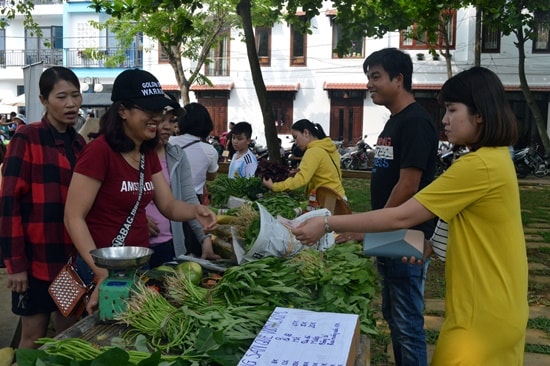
x=91, y=85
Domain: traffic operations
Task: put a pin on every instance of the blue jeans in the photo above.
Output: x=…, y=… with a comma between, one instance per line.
x=403, y=309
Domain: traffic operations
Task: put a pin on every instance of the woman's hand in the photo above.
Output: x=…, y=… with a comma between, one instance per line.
x=208, y=250
x=268, y=183
x=310, y=231
x=18, y=282
x=206, y=217
x=93, y=301
x=152, y=225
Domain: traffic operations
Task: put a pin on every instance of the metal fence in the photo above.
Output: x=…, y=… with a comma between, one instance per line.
x=73, y=58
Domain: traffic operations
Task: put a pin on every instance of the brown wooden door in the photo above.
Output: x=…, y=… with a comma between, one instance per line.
x=282, y=104
x=346, y=120
x=217, y=107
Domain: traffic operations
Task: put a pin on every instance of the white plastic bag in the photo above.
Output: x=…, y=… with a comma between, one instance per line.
x=275, y=239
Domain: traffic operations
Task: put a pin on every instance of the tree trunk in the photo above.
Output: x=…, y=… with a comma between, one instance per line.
x=529, y=97
x=243, y=10
x=477, y=40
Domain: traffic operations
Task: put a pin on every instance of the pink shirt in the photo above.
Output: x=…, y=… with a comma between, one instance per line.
x=153, y=212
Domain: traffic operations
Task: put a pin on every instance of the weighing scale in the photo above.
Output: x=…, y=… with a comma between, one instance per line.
x=122, y=263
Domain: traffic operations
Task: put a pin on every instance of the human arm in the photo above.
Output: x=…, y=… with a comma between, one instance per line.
x=408, y=214
x=17, y=170
x=178, y=210
x=213, y=157
x=77, y=207
x=309, y=165
x=406, y=187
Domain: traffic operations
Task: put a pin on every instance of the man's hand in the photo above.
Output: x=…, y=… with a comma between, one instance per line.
x=428, y=251
x=345, y=237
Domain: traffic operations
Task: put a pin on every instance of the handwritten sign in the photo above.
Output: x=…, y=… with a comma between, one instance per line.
x=294, y=337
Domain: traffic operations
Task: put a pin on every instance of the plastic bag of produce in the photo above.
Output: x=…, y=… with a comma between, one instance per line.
x=275, y=239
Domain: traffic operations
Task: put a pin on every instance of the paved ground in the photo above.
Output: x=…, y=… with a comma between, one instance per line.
x=8, y=321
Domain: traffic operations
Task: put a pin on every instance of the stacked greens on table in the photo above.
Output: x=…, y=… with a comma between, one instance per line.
x=190, y=325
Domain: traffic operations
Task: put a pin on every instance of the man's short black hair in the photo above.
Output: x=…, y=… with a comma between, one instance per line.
x=394, y=62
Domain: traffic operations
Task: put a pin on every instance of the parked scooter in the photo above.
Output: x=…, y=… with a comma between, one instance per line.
x=360, y=158
x=446, y=155
x=260, y=151
x=529, y=161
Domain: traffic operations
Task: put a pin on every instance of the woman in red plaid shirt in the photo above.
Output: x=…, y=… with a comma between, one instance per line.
x=36, y=174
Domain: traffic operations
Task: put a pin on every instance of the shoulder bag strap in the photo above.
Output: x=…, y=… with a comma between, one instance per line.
x=335, y=167
x=189, y=144
x=120, y=239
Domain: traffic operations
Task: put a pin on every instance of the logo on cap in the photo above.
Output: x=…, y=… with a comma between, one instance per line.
x=151, y=88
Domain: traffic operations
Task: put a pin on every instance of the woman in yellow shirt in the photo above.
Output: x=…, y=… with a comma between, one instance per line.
x=320, y=165
x=486, y=307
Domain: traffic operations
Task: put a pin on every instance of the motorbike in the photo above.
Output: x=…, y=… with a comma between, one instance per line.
x=360, y=158
x=260, y=151
x=529, y=161
x=446, y=155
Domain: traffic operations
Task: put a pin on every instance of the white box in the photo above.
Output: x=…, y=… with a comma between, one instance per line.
x=302, y=337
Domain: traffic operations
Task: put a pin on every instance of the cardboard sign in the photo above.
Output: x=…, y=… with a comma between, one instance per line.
x=302, y=337
x=398, y=243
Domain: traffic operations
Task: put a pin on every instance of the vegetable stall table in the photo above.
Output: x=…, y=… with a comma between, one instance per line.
x=216, y=325
x=98, y=333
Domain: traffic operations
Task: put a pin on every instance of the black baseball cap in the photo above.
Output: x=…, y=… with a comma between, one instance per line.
x=141, y=88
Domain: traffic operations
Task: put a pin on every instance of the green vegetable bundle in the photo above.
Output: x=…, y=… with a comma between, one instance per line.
x=222, y=187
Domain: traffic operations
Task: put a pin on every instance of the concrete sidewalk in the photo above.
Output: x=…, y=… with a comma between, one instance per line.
x=8, y=321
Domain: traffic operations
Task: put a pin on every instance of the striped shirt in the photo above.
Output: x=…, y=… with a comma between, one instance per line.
x=439, y=239
x=36, y=173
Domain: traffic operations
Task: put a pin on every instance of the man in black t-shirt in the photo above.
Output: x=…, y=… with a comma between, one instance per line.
x=405, y=157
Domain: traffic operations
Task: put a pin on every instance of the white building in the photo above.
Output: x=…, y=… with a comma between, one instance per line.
x=303, y=76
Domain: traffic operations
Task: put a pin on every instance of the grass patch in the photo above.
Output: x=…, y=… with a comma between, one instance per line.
x=539, y=323
x=537, y=348
x=358, y=193
x=431, y=335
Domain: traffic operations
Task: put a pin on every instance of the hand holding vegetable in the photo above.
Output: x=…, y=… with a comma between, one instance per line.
x=310, y=231
x=268, y=183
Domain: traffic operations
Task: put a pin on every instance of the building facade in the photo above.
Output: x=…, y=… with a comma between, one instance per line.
x=303, y=76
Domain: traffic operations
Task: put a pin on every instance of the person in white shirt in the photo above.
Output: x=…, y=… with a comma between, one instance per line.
x=244, y=162
x=195, y=127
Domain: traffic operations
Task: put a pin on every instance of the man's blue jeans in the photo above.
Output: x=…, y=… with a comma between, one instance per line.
x=403, y=309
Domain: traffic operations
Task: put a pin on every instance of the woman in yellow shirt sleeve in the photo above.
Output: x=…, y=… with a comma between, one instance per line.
x=320, y=165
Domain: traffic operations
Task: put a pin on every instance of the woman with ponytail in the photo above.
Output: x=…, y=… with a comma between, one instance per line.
x=320, y=165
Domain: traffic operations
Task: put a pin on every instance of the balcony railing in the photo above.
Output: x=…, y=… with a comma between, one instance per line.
x=72, y=58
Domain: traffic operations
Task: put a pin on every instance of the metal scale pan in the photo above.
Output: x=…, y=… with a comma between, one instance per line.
x=120, y=258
